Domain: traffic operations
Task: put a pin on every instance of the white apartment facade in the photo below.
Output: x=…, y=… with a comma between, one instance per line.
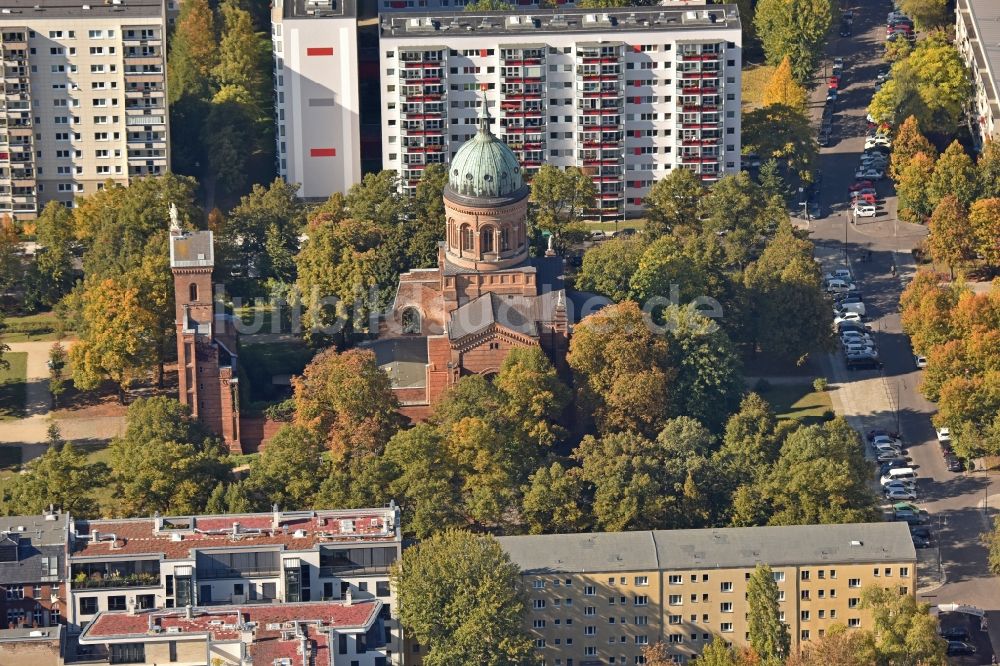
x=85, y=99
x=317, y=107
x=977, y=36
x=625, y=94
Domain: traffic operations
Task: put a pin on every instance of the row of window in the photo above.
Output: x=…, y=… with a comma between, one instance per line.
x=553, y=50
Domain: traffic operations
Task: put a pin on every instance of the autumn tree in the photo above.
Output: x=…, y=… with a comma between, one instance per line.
x=560, y=196
x=926, y=311
x=555, y=500
x=532, y=396
x=347, y=398
x=988, y=170
x=768, y=634
x=11, y=268
x=672, y=203
x=118, y=337
x=912, y=188
x=608, y=267
x=992, y=541
x=783, y=89
x=194, y=52
x=795, y=29
x=165, y=461
x=984, y=218
x=954, y=175
x=460, y=597
x=926, y=14
x=951, y=237
x=908, y=142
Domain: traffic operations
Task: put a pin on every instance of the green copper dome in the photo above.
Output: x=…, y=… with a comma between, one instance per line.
x=485, y=167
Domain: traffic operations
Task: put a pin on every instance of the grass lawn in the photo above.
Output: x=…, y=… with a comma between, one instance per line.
x=39, y=326
x=798, y=402
x=754, y=81
x=13, y=385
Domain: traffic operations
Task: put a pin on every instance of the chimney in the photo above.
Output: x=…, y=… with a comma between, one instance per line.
x=236, y=529
x=157, y=521
x=95, y=536
x=130, y=605
x=275, y=516
x=348, y=599
x=188, y=612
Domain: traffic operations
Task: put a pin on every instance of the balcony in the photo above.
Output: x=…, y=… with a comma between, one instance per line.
x=85, y=582
x=252, y=572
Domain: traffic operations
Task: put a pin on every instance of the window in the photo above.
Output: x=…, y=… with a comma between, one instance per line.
x=726, y=607
x=804, y=634
x=641, y=640
x=727, y=586
x=804, y=616
x=887, y=571
x=590, y=610
x=804, y=595
x=538, y=624
x=538, y=584
x=116, y=603
x=675, y=579
x=15, y=592
x=642, y=620
x=381, y=588
x=590, y=631
x=640, y=600
x=675, y=600
x=726, y=627
x=538, y=604
x=904, y=572
x=127, y=653
x=641, y=580
x=88, y=605
x=854, y=622
x=589, y=590
x=853, y=602
x=804, y=575
x=854, y=582
x=539, y=642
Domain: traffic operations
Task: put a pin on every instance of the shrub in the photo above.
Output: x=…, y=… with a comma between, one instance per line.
x=820, y=384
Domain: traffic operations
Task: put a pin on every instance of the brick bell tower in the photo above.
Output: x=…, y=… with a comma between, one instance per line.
x=207, y=369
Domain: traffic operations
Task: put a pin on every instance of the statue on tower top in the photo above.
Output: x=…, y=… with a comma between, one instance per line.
x=175, y=223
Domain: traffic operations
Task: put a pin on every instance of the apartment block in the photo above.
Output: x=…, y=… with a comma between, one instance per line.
x=317, y=128
x=977, y=35
x=601, y=598
x=329, y=633
x=132, y=567
x=32, y=572
x=84, y=99
x=625, y=94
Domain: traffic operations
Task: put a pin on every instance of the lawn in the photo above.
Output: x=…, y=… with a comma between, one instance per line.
x=798, y=401
x=13, y=385
x=754, y=81
x=39, y=326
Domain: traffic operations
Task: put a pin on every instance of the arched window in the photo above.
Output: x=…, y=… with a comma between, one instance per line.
x=193, y=292
x=486, y=239
x=410, y=318
x=505, y=239
x=468, y=238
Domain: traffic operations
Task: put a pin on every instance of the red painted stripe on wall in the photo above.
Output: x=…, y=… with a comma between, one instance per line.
x=323, y=152
x=320, y=51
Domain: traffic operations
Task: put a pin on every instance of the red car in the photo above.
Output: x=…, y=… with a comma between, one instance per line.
x=867, y=197
x=860, y=185
x=833, y=82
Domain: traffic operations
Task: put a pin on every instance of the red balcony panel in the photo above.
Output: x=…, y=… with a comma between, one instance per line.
x=322, y=152
x=319, y=51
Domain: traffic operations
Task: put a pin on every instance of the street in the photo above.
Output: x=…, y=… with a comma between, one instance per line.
x=892, y=400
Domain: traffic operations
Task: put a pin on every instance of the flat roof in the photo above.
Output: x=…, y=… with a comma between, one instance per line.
x=175, y=537
x=985, y=16
x=225, y=623
x=732, y=547
x=50, y=9
x=529, y=22
x=22, y=634
x=319, y=9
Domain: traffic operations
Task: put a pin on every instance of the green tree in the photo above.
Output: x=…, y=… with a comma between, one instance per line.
x=768, y=634
x=751, y=443
x=489, y=6
x=926, y=14
x=782, y=88
x=259, y=238
x=951, y=238
x=796, y=29
x=194, y=52
x=560, y=197
x=904, y=631
x=348, y=400
x=908, y=142
x=288, y=471
x=164, y=462
x=11, y=269
x=608, y=267
x=984, y=218
x=61, y=476
x=911, y=186
x=988, y=170
x=54, y=271
x=666, y=272
x=216, y=503
x=931, y=84
x=377, y=199
x=460, y=597
x=770, y=179
x=992, y=541
x=672, y=202
x=57, y=370
x=532, y=396
x=117, y=337
x=428, y=225
x=954, y=175
x=244, y=57
x=782, y=132
x=786, y=279
x=228, y=140
x=553, y=502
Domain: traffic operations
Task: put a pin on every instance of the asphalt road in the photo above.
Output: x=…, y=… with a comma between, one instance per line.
x=954, y=500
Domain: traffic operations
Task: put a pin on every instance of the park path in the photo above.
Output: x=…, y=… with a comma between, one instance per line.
x=38, y=400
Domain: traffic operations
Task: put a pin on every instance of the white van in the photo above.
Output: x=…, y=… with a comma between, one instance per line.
x=866, y=210
x=899, y=474
x=834, y=286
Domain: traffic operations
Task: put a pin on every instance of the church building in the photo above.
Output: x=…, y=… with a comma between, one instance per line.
x=486, y=296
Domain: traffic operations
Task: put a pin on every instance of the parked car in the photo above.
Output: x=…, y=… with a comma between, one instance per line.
x=875, y=141
x=865, y=210
x=839, y=284
x=863, y=362
x=955, y=633
x=943, y=434
x=864, y=197
x=869, y=174
x=894, y=494
x=833, y=82
x=956, y=648
x=824, y=139
x=857, y=306
x=920, y=542
x=847, y=317
x=901, y=483
x=920, y=361
x=860, y=185
x=953, y=463
x=838, y=62
x=831, y=95
x=846, y=30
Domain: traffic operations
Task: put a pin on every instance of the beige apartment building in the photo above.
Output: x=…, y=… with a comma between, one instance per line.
x=601, y=598
x=84, y=98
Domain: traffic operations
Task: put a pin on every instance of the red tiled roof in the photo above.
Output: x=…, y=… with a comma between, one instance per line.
x=139, y=536
x=222, y=621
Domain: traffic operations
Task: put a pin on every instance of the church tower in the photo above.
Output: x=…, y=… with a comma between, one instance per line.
x=206, y=343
